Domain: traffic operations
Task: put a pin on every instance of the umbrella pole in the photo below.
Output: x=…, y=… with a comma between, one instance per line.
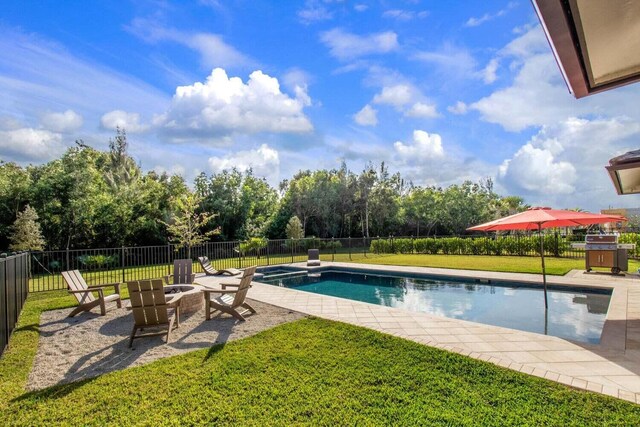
x=544, y=274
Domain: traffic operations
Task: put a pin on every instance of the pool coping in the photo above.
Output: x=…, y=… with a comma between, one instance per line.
x=611, y=367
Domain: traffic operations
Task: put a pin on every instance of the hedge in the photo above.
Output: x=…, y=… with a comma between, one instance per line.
x=509, y=245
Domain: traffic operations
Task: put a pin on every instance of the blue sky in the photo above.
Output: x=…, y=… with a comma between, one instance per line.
x=440, y=91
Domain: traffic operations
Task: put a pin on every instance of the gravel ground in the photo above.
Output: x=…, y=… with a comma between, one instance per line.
x=88, y=345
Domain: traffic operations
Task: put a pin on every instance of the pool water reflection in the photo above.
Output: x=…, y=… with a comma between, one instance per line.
x=576, y=314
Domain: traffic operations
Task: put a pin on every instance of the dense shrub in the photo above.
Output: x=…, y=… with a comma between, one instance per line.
x=516, y=245
x=98, y=261
x=426, y=246
x=403, y=246
x=253, y=245
x=631, y=238
x=331, y=245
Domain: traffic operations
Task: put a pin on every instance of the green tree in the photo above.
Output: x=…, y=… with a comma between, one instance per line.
x=294, y=228
x=15, y=185
x=25, y=232
x=186, y=224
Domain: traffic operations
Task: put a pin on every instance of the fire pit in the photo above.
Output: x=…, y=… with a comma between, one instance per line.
x=192, y=298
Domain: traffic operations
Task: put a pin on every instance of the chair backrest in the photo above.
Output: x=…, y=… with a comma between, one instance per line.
x=148, y=302
x=206, y=265
x=75, y=282
x=245, y=284
x=314, y=254
x=182, y=270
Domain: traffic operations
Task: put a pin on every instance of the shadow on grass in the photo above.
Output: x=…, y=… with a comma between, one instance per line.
x=53, y=392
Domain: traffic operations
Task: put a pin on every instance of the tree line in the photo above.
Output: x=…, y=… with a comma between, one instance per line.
x=91, y=198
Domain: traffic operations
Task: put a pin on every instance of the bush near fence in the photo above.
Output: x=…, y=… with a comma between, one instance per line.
x=517, y=246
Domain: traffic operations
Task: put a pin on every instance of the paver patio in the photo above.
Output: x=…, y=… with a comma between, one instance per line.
x=611, y=367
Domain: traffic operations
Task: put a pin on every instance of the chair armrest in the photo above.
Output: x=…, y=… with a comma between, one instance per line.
x=193, y=277
x=224, y=285
x=82, y=291
x=167, y=279
x=175, y=301
x=115, y=285
x=218, y=291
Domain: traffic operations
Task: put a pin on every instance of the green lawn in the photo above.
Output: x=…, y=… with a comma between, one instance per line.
x=514, y=264
x=308, y=372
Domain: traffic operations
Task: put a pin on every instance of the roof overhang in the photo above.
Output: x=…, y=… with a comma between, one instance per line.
x=624, y=171
x=596, y=42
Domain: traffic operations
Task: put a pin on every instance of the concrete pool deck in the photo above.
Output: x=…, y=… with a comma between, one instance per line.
x=611, y=367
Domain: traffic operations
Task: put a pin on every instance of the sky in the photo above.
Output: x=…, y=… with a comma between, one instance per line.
x=440, y=91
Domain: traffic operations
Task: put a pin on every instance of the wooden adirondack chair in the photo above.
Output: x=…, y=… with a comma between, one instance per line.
x=150, y=308
x=209, y=270
x=182, y=273
x=230, y=300
x=84, y=293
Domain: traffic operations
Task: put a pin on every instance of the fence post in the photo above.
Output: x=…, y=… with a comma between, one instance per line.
x=349, y=248
x=292, y=241
x=239, y=256
x=169, y=259
x=123, y=265
x=268, y=262
x=68, y=267
x=333, y=245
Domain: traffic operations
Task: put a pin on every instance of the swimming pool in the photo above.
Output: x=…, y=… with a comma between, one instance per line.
x=574, y=313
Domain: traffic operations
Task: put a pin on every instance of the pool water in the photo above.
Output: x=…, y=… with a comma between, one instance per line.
x=574, y=313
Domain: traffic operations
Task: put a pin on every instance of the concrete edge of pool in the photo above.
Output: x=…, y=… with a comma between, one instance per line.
x=611, y=367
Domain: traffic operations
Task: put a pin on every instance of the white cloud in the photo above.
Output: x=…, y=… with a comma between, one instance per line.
x=450, y=59
x=367, y=116
x=404, y=15
x=297, y=81
x=360, y=7
x=64, y=122
x=422, y=110
x=314, y=12
x=128, y=121
x=397, y=96
x=223, y=106
x=459, y=108
x=563, y=164
x=489, y=72
x=213, y=50
x=264, y=161
x=30, y=145
x=536, y=170
x=344, y=45
x=424, y=146
x=474, y=22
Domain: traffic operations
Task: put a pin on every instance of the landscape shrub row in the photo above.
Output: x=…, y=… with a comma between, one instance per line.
x=524, y=245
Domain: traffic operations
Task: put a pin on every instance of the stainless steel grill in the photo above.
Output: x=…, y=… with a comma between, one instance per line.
x=603, y=250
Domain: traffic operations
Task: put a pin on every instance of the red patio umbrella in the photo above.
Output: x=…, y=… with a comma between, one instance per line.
x=539, y=218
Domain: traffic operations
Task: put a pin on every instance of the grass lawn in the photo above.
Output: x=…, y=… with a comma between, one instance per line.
x=513, y=264
x=311, y=371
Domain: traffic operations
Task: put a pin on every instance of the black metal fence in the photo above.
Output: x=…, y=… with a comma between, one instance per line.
x=135, y=263
x=14, y=286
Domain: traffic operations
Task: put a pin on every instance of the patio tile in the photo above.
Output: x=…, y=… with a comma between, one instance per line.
x=579, y=383
x=594, y=387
